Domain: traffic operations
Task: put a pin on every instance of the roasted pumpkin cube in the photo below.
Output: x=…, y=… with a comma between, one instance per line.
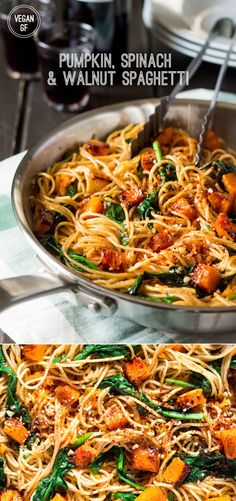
x=16, y=430
x=112, y=260
x=161, y=241
x=224, y=227
x=221, y=202
x=11, y=495
x=145, y=459
x=34, y=352
x=166, y=136
x=221, y=498
x=115, y=418
x=191, y=399
x=133, y=196
x=97, y=148
x=148, y=158
x=63, y=181
x=229, y=181
x=212, y=141
x=96, y=184
x=95, y=205
x=58, y=497
x=43, y=222
x=152, y=494
x=83, y=456
x=176, y=472
x=206, y=277
x=67, y=395
x=183, y=208
x=136, y=371
x=228, y=440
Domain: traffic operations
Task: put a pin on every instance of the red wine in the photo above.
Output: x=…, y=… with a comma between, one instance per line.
x=21, y=53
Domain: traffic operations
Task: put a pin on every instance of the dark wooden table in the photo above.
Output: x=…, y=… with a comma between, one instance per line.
x=39, y=118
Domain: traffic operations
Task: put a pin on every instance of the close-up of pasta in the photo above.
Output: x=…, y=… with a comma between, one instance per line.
x=106, y=422
x=154, y=226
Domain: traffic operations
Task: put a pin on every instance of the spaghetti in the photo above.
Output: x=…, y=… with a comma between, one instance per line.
x=107, y=422
x=154, y=225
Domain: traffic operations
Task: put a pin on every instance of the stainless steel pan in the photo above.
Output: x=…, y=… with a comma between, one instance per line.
x=186, y=320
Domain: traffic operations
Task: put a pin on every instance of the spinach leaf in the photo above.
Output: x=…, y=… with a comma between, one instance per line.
x=171, y=496
x=51, y=244
x=97, y=464
x=119, y=385
x=72, y=190
x=80, y=258
x=124, y=239
x=167, y=172
x=104, y=351
x=199, y=381
x=125, y=496
x=3, y=478
x=30, y=440
x=220, y=168
x=121, y=470
x=149, y=203
x=167, y=299
x=60, y=358
x=56, y=482
x=178, y=382
x=175, y=277
x=157, y=148
x=211, y=463
x=14, y=405
x=115, y=212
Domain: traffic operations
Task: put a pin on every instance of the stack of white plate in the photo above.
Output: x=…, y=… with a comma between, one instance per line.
x=183, y=25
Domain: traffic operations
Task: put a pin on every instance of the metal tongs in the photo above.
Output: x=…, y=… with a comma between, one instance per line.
x=223, y=27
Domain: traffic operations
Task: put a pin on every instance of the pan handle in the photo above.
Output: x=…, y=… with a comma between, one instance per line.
x=17, y=289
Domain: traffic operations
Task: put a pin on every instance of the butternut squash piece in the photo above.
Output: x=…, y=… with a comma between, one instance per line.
x=148, y=158
x=183, y=208
x=206, y=277
x=221, y=202
x=97, y=148
x=115, y=418
x=133, y=196
x=228, y=440
x=212, y=141
x=11, y=495
x=16, y=430
x=112, y=260
x=176, y=472
x=221, y=498
x=63, y=181
x=58, y=497
x=145, y=459
x=229, y=181
x=136, y=371
x=165, y=136
x=224, y=227
x=152, y=494
x=34, y=352
x=161, y=241
x=95, y=185
x=191, y=399
x=83, y=456
x=94, y=204
x=67, y=395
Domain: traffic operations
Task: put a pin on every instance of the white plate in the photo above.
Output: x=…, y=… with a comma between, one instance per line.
x=211, y=54
x=191, y=52
x=190, y=19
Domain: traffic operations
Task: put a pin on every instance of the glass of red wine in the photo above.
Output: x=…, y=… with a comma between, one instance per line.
x=20, y=51
x=70, y=39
